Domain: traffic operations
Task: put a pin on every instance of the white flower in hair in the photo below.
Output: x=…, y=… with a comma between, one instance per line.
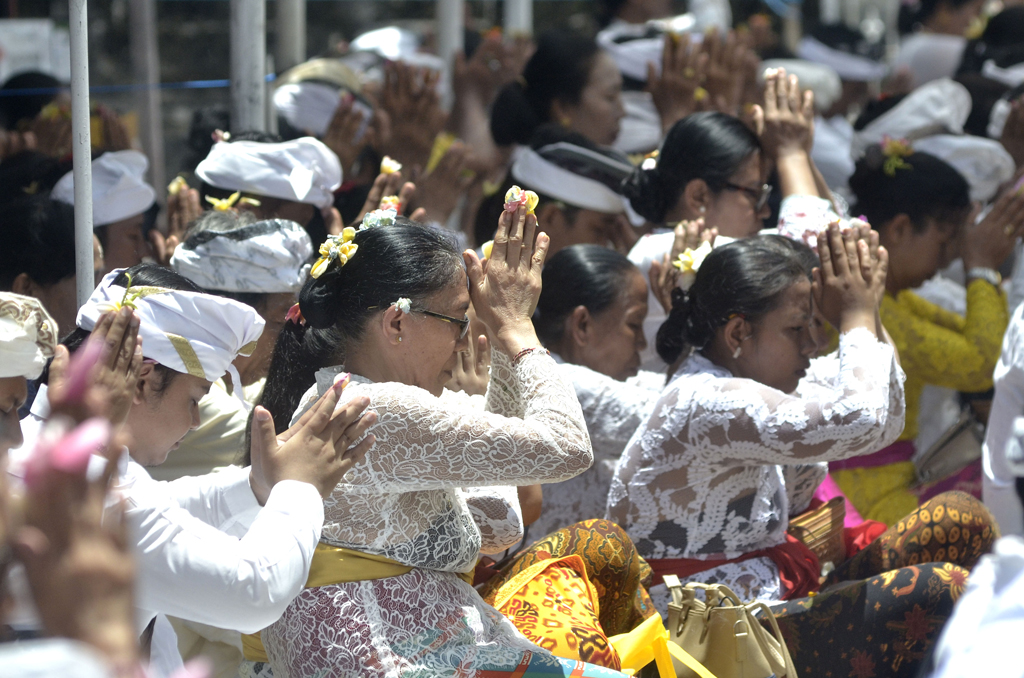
x=688, y=262
x=379, y=218
x=404, y=305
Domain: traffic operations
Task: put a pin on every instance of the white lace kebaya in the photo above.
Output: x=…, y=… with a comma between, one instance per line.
x=435, y=491
x=723, y=462
x=613, y=410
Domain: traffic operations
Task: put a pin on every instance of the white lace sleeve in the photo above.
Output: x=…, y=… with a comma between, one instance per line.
x=427, y=443
x=861, y=414
x=504, y=395
x=801, y=481
x=497, y=515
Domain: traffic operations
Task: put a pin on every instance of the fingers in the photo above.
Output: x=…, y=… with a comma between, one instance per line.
x=325, y=407
x=771, y=97
x=344, y=437
x=483, y=354
x=515, y=237
x=354, y=455
x=851, y=245
x=793, y=100
x=807, y=110
x=540, y=253
x=500, y=247
x=529, y=242
x=263, y=438
x=757, y=115
x=827, y=270
x=474, y=270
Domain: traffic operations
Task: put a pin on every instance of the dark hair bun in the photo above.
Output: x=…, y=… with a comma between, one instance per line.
x=513, y=120
x=645, y=194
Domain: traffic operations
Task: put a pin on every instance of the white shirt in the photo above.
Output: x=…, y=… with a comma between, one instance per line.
x=930, y=56
x=998, y=482
x=982, y=636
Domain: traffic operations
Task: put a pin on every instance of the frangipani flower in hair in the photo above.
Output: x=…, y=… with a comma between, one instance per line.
x=404, y=305
x=688, y=262
x=379, y=218
x=517, y=196
x=337, y=248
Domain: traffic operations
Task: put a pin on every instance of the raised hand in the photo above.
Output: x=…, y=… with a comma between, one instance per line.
x=725, y=70
x=505, y=293
x=472, y=370
x=675, y=89
x=439, y=192
x=1012, y=138
x=341, y=133
x=79, y=563
x=115, y=132
x=786, y=128
x=989, y=242
x=113, y=379
x=410, y=98
x=322, y=446
x=846, y=296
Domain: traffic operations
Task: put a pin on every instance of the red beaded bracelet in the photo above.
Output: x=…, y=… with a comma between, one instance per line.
x=527, y=351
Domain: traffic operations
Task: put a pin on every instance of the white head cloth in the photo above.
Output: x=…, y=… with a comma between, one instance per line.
x=197, y=334
x=118, y=188
x=587, y=187
x=818, y=78
x=28, y=336
x=307, y=106
x=265, y=257
x=302, y=170
x=1010, y=76
x=939, y=107
x=852, y=67
x=997, y=118
x=984, y=163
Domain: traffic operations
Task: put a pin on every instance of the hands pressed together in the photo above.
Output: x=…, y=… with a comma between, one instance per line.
x=849, y=285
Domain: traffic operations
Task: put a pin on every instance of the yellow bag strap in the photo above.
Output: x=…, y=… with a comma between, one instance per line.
x=336, y=565
x=687, y=659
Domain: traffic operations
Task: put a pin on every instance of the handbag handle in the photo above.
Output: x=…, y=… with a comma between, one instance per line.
x=687, y=660
x=772, y=644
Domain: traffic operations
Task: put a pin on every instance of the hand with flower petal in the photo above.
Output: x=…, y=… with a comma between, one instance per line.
x=516, y=197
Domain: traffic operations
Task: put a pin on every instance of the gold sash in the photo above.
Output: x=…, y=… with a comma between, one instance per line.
x=335, y=565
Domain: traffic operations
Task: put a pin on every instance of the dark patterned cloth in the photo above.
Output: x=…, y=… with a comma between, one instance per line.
x=881, y=611
x=614, y=568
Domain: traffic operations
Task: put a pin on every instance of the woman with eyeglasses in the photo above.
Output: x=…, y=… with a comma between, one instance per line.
x=404, y=531
x=714, y=167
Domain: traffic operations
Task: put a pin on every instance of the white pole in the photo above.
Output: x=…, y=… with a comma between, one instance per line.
x=248, y=61
x=450, y=17
x=146, y=68
x=81, y=148
x=291, y=33
x=518, y=17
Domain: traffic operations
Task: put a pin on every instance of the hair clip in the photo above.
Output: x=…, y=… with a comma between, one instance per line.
x=294, y=315
x=389, y=166
x=895, y=150
x=338, y=248
x=223, y=205
x=689, y=262
x=404, y=305
x=517, y=196
x=382, y=217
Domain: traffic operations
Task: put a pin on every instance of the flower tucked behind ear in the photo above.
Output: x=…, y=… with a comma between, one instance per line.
x=895, y=150
x=389, y=166
x=689, y=263
x=338, y=248
x=294, y=315
x=379, y=218
x=404, y=305
x=517, y=196
x=229, y=202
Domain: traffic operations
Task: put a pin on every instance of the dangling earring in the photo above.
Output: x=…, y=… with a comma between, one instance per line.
x=735, y=354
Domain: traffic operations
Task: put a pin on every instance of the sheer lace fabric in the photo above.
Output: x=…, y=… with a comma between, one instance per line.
x=722, y=462
x=436, y=490
x=613, y=410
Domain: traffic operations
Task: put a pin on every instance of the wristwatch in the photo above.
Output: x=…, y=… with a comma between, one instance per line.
x=990, y=275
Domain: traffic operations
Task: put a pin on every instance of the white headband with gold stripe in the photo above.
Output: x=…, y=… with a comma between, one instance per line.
x=193, y=333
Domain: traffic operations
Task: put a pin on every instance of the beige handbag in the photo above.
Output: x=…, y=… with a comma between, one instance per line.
x=958, y=446
x=724, y=634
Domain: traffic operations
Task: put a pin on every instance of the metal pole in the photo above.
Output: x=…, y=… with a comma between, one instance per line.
x=291, y=33
x=81, y=147
x=518, y=17
x=146, y=68
x=248, y=60
x=450, y=18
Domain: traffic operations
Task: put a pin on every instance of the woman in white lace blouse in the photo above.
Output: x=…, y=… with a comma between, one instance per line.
x=389, y=304
x=737, y=444
x=590, y=316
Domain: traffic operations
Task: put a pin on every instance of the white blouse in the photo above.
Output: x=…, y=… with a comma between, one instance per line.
x=723, y=462
x=408, y=501
x=613, y=410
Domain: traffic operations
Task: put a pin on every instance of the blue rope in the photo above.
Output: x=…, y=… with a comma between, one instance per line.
x=115, y=89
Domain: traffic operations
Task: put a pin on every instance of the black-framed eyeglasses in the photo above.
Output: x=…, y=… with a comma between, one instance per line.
x=759, y=198
x=463, y=324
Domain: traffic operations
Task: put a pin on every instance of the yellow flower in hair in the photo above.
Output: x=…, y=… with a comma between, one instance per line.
x=689, y=262
x=517, y=196
x=223, y=205
x=390, y=202
x=895, y=150
x=339, y=248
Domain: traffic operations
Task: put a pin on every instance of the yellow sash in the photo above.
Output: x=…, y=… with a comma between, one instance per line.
x=335, y=565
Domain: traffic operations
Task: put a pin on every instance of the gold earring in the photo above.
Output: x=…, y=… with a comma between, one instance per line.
x=399, y=339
